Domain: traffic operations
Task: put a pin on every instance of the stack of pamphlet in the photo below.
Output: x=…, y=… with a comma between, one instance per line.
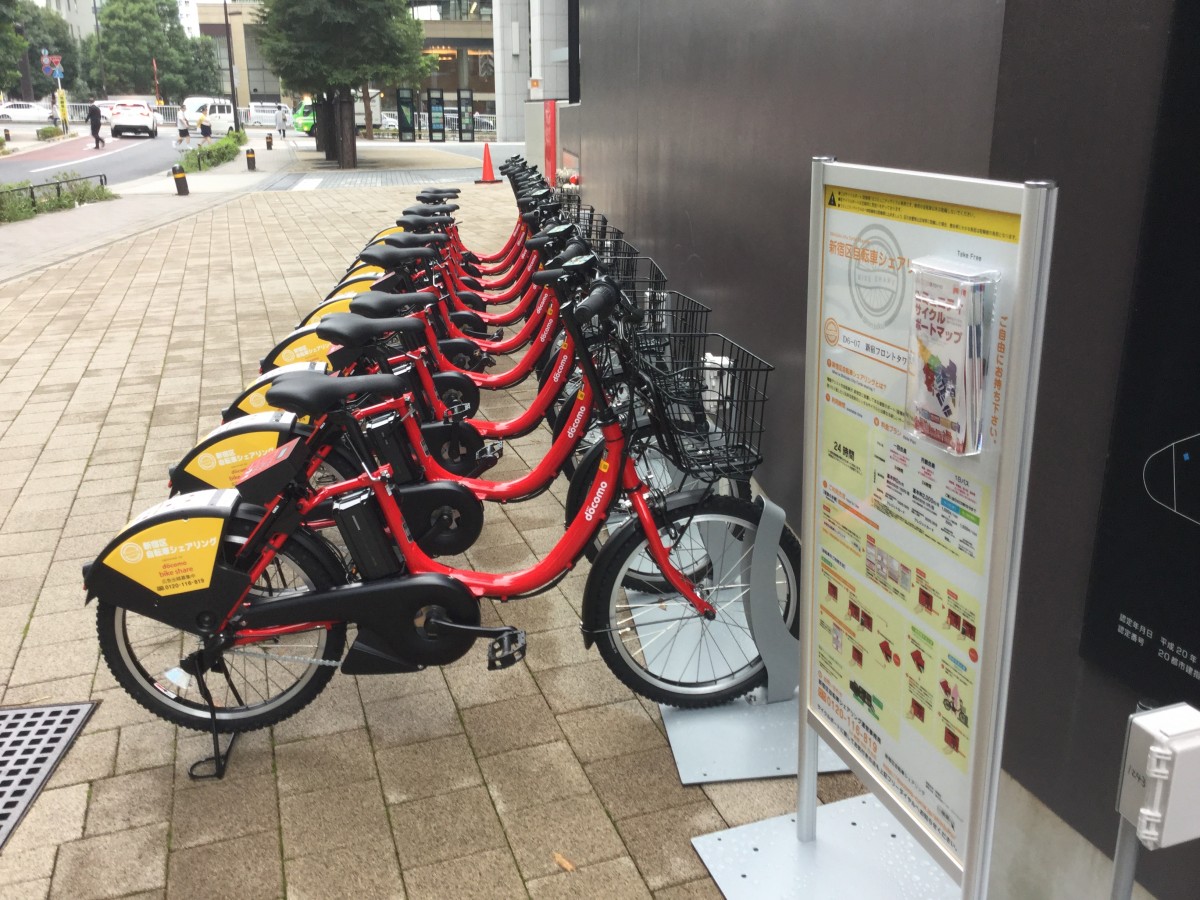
x=952, y=307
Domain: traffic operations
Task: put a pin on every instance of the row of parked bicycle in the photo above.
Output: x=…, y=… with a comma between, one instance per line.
x=355, y=463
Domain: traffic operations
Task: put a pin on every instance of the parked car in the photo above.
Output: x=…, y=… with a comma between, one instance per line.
x=134, y=118
x=220, y=113
x=21, y=111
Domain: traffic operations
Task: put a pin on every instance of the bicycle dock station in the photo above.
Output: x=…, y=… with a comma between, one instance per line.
x=753, y=736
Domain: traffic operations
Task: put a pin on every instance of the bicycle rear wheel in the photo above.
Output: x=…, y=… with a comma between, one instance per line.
x=273, y=679
x=655, y=642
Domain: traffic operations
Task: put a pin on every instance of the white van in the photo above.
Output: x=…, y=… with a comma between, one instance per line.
x=264, y=113
x=220, y=113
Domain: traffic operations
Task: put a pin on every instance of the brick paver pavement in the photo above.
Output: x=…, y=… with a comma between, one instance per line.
x=454, y=783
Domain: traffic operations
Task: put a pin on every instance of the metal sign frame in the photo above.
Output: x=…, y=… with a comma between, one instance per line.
x=1034, y=202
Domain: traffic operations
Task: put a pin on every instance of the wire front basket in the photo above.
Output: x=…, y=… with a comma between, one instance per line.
x=708, y=398
x=635, y=276
x=609, y=252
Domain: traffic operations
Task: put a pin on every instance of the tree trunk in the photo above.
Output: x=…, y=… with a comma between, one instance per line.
x=319, y=123
x=347, y=147
x=369, y=126
x=328, y=115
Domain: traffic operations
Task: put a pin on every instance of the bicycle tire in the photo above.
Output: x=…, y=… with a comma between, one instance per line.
x=151, y=676
x=656, y=643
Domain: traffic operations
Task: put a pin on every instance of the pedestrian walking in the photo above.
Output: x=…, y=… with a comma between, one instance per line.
x=205, y=126
x=281, y=120
x=184, y=126
x=93, y=120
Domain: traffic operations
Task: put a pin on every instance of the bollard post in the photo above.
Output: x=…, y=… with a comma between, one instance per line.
x=7, y=136
x=270, y=141
x=181, y=185
x=250, y=160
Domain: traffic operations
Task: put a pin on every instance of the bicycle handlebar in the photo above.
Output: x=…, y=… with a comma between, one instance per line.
x=547, y=276
x=603, y=297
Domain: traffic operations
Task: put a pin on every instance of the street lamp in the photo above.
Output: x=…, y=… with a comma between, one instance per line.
x=237, y=120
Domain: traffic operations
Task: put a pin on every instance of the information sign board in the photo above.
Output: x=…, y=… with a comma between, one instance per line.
x=437, y=115
x=466, y=114
x=405, y=114
x=911, y=540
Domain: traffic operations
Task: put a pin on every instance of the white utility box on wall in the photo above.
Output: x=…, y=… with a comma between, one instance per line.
x=1160, y=781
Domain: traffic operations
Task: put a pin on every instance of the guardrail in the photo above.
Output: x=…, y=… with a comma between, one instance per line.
x=32, y=189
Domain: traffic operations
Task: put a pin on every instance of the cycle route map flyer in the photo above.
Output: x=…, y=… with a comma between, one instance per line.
x=902, y=523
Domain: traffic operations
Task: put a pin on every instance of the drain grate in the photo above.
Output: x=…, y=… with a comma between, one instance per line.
x=32, y=741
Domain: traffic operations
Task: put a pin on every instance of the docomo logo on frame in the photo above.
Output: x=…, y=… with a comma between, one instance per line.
x=594, y=506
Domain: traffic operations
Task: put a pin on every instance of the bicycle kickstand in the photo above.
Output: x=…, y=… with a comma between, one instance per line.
x=219, y=761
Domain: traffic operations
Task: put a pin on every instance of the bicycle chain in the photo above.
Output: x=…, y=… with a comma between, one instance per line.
x=303, y=659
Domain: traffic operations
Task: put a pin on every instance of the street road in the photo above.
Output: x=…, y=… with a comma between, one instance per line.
x=121, y=159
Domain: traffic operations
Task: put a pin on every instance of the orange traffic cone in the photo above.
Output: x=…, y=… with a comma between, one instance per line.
x=488, y=177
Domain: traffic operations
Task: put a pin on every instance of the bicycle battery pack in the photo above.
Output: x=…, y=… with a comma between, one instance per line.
x=390, y=446
x=361, y=526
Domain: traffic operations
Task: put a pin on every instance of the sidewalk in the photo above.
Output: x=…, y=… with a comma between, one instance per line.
x=453, y=783
x=147, y=203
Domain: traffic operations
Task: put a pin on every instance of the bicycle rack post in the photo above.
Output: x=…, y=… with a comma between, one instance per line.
x=779, y=650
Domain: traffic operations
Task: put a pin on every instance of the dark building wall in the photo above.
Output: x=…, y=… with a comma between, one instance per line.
x=697, y=124
x=1082, y=98
x=700, y=121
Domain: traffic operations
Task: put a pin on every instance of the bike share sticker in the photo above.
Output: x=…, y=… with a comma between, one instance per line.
x=224, y=462
x=171, y=557
x=308, y=348
x=903, y=528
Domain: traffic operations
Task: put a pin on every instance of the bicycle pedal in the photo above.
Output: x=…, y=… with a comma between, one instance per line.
x=492, y=450
x=488, y=360
x=496, y=335
x=457, y=411
x=506, y=649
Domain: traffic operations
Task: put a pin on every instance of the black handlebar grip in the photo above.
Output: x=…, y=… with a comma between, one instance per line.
x=601, y=300
x=548, y=276
x=540, y=242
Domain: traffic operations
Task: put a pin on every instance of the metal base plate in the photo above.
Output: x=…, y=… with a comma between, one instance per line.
x=861, y=851
x=32, y=741
x=747, y=738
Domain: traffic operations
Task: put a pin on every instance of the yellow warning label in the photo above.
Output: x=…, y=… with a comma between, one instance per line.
x=172, y=557
x=223, y=463
x=984, y=223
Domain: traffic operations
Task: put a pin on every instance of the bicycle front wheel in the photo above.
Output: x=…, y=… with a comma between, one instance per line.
x=654, y=640
x=261, y=683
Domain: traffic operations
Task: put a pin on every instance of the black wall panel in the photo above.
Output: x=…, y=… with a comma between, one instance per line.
x=700, y=121
x=1080, y=99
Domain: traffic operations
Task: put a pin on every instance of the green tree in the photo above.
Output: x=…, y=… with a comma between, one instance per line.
x=12, y=45
x=321, y=46
x=140, y=33
x=43, y=28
